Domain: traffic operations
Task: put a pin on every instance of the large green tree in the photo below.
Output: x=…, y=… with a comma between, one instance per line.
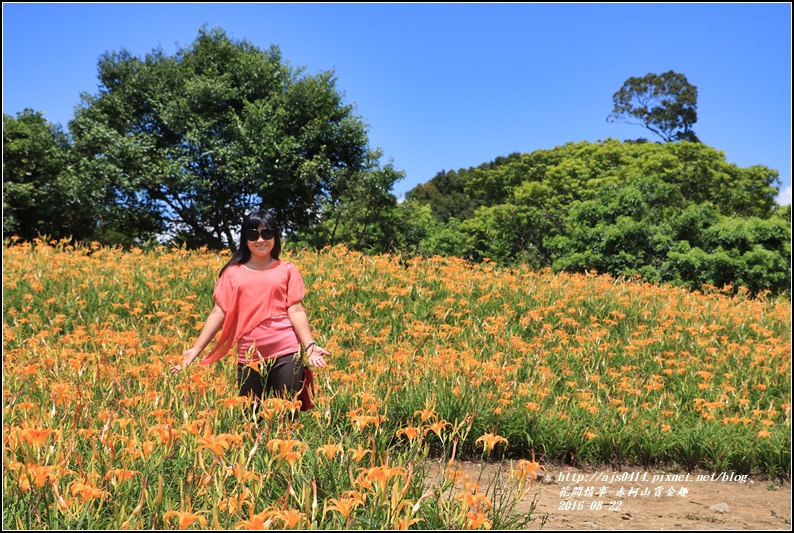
x=197, y=139
x=665, y=104
x=40, y=195
x=361, y=213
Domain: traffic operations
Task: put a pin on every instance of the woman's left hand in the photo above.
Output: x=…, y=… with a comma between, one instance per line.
x=316, y=355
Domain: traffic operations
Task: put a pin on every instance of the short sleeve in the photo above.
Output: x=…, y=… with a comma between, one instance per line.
x=295, y=288
x=223, y=292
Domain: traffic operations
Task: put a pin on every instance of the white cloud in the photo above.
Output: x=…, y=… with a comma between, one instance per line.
x=784, y=196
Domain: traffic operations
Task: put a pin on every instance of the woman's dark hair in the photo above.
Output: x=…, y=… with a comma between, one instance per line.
x=254, y=220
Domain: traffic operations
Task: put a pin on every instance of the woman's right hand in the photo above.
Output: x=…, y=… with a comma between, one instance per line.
x=316, y=355
x=187, y=357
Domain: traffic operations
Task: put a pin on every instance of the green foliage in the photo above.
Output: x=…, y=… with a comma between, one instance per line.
x=665, y=104
x=753, y=253
x=362, y=213
x=446, y=195
x=676, y=212
x=40, y=196
x=198, y=139
x=415, y=224
x=515, y=232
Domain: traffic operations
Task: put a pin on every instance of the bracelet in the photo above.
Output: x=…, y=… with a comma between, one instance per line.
x=309, y=345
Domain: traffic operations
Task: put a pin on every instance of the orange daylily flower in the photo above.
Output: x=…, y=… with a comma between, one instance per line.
x=186, y=519
x=290, y=518
x=147, y=447
x=477, y=520
x=346, y=504
x=489, y=441
x=425, y=414
x=36, y=437
x=120, y=475
x=87, y=491
x=167, y=435
x=37, y=475
x=62, y=393
x=359, y=453
x=379, y=475
x=235, y=503
x=257, y=521
x=330, y=450
x=528, y=469
x=194, y=427
x=469, y=498
x=410, y=432
x=289, y=450
x=437, y=427
x=244, y=475
x=233, y=401
x=402, y=524
x=217, y=444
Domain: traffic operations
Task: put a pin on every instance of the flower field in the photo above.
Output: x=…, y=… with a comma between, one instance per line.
x=434, y=360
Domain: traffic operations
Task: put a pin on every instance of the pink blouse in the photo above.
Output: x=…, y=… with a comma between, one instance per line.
x=255, y=304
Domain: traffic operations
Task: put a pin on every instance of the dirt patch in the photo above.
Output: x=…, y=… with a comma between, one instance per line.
x=634, y=498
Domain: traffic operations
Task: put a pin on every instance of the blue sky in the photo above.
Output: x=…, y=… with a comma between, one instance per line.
x=450, y=86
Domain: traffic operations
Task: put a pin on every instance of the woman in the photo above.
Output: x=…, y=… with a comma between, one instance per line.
x=258, y=302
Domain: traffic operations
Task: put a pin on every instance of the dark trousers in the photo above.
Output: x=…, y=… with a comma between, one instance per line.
x=282, y=376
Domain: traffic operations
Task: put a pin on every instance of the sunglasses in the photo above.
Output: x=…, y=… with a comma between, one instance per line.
x=253, y=235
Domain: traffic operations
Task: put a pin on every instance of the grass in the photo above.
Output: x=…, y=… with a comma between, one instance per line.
x=433, y=359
